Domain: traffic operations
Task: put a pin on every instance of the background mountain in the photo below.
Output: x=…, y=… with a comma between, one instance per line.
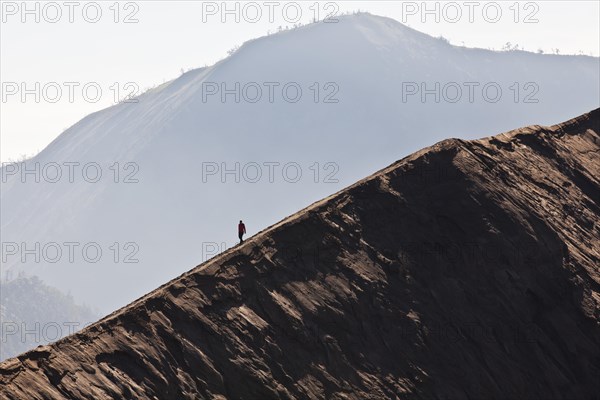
x=33, y=314
x=171, y=214
x=482, y=283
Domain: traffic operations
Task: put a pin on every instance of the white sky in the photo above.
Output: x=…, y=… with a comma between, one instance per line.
x=171, y=35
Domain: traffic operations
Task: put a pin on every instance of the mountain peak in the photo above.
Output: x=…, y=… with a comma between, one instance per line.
x=350, y=30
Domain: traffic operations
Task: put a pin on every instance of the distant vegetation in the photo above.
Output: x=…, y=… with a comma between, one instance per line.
x=33, y=313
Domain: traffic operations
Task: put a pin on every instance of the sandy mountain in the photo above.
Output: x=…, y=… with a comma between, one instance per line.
x=466, y=270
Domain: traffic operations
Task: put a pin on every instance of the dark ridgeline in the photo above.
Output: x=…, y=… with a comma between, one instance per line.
x=466, y=270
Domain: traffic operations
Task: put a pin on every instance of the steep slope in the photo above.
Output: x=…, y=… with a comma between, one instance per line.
x=469, y=269
x=360, y=123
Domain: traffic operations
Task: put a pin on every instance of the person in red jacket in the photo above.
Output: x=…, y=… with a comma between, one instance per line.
x=241, y=230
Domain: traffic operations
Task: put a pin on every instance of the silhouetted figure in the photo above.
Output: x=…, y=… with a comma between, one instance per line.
x=241, y=231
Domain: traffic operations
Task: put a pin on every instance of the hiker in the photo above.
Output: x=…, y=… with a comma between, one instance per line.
x=241, y=230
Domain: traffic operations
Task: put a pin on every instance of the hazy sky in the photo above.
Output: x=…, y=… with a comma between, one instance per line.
x=65, y=46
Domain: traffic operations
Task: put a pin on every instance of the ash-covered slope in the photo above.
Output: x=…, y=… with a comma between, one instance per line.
x=466, y=270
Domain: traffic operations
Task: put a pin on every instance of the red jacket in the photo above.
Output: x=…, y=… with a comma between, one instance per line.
x=241, y=228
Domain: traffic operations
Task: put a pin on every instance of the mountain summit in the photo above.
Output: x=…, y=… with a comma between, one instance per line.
x=466, y=270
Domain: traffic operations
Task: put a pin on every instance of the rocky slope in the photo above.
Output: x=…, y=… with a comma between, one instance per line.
x=469, y=269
